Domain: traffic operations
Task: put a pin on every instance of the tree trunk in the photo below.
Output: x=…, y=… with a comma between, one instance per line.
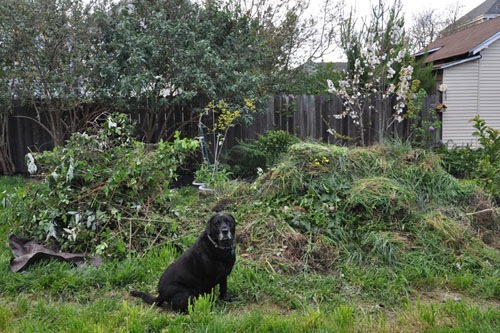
x=361, y=129
x=55, y=118
x=6, y=164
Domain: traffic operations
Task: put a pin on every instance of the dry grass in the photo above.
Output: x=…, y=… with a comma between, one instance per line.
x=451, y=231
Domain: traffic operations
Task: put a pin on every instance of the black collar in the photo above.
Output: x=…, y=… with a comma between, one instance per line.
x=217, y=246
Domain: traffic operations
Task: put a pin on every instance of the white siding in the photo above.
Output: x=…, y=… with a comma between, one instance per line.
x=461, y=98
x=473, y=88
x=489, y=83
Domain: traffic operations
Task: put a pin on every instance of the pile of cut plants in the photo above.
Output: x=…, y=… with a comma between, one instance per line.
x=381, y=206
x=348, y=238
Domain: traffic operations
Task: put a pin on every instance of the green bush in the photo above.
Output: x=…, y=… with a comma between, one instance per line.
x=274, y=144
x=479, y=163
x=423, y=130
x=247, y=158
x=102, y=189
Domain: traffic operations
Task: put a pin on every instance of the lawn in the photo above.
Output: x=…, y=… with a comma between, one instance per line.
x=331, y=239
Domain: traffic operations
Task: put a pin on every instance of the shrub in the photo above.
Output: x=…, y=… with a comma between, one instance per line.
x=482, y=163
x=101, y=189
x=247, y=158
x=274, y=144
x=489, y=155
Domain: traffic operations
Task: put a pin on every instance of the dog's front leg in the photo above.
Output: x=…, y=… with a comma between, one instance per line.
x=223, y=290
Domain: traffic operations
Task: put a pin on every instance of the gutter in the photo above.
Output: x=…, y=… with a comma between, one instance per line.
x=485, y=43
x=427, y=51
x=458, y=62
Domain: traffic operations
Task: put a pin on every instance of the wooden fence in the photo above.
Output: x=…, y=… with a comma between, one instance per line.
x=306, y=116
x=311, y=117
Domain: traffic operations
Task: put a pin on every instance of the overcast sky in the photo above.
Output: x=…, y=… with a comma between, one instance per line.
x=410, y=8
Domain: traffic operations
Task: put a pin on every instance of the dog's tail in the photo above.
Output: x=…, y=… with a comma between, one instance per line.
x=145, y=297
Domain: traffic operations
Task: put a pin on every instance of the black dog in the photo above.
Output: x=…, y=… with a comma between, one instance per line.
x=204, y=265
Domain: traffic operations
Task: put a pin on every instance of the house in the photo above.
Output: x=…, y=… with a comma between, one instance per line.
x=486, y=11
x=467, y=67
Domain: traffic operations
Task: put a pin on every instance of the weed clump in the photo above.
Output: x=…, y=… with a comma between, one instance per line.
x=306, y=151
x=303, y=164
x=448, y=229
x=379, y=203
x=422, y=172
x=365, y=162
x=102, y=191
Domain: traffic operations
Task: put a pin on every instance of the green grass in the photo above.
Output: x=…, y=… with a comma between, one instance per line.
x=333, y=241
x=116, y=313
x=55, y=297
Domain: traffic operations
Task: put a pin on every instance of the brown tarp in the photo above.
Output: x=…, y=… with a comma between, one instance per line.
x=28, y=251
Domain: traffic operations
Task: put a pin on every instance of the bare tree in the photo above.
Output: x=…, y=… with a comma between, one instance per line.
x=425, y=29
x=430, y=24
x=454, y=12
x=297, y=32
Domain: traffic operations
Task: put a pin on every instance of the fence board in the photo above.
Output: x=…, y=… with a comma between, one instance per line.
x=304, y=116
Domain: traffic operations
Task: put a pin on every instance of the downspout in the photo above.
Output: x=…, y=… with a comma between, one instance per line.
x=478, y=95
x=478, y=92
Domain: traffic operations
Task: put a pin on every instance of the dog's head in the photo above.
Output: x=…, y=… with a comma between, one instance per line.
x=221, y=228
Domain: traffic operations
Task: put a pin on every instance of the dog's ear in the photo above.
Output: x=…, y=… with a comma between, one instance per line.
x=232, y=217
x=211, y=220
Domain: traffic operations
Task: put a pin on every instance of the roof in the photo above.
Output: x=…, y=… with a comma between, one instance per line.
x=312, y=67
x=464, y=43
x=456, y=62
x=487, y=10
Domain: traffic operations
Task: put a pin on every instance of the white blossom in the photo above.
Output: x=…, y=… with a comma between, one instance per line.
x=70, y=173
x=164, y=92
x=378, y=59
x=30, y=162
x=111, y=123
x=391, y=72
x=331, y=87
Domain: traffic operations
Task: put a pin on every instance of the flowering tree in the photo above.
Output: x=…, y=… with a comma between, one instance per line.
x=379, y=70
